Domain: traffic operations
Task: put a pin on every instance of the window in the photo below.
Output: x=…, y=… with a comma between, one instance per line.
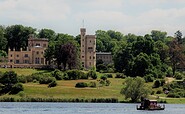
x=82, y=63
x=82, y=45
x=82, y=56
x=37, y=44
x=11, y=60
x=17, y=61
x=11, y=55
x=90, y=41
x=17, y=55
x=26, y=61
x=44, y=45
x=90, y=63
x=89, y=57
x=37, y=61
x=42, y=52
x=42, y=60
x=37, y=52
x=93, y=57
x=26, y=55
x=82, y=39
x=90, y=48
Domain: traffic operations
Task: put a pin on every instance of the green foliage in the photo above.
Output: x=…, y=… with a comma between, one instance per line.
x=46, y=79
x=81, y=85
x=134, y=88
x=92, y=74
x=76, y=74
x=157, y=84
x=149, y=78
x=104, y=77
x=92, y=84
x=178, y=76
x=52, y=84
x=57, y=74
x=16, y=88
x=21, y=79
x=120, y=75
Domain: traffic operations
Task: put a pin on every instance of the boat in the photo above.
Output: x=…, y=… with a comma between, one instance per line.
x=150, y=105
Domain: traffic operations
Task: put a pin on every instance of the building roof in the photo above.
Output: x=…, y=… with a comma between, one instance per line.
x=103, y=53
x=38, y=39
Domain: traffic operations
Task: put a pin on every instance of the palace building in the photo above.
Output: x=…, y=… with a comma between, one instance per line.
x=32, y=57
x=88, y=49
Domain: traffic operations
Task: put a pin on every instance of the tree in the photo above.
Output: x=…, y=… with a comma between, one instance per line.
x=177, y=57
x=47, y=33
x=158, y=35
x=134, y=88
x=49, y=52
x=3, y=40
x=67, y=54
x=9, y=79
x=178, y=36
x=17, y=36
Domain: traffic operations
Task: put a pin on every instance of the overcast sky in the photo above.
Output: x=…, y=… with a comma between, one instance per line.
x=66, y=16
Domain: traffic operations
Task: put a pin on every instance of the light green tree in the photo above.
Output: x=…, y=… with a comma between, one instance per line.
x=134, y=88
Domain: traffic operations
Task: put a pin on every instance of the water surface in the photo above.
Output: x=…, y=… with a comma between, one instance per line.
x=82, y=108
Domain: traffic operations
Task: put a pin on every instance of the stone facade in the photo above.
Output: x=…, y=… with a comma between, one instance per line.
x=32, y=57
x=106, y=57
x=88, y=49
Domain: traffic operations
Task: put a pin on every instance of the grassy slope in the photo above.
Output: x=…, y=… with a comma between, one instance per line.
x=66, y=89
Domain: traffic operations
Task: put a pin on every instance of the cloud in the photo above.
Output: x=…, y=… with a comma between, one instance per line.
x=34, y=10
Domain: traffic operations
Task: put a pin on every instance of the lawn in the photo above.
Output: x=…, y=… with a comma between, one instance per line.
x=65, y=89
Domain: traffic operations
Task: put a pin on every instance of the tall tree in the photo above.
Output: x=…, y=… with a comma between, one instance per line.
x=178, y=36
x=3, y=40
x=134, y=88
x=177, y=57
x=17, y=36
x=47, y=33
x=158, y=35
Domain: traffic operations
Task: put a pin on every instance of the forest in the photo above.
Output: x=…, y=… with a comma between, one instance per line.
x=152, y=56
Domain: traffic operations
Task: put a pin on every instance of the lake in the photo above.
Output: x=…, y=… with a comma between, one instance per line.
x=82, y=108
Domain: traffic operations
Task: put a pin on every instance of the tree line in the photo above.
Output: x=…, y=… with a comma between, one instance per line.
x=154, y=53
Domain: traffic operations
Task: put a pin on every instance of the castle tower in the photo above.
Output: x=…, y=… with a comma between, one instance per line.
x=88, y=49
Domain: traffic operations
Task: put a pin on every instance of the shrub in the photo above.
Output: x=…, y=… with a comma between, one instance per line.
x=109, y=76
x=107, y=82
x=16, y=88
x=119, y=75
x=157, y=84
x=21, y=79
x=46, y=79
x=149, y=78
x=178, y=76
x=52, y=84
x=104, y=77
x=76, y=74
x=57, y=74
x=92, y=84
x=162, y=82
x=92, y=74
x=81, y=85
x=158, y=92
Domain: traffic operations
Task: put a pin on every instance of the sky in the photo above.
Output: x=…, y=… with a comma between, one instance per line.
x=139, y=17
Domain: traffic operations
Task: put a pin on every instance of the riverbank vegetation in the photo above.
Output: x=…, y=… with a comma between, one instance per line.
x=65, y=90
x=155, y=57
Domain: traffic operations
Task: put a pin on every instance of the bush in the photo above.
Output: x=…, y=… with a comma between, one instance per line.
x=46, y=79
x=92, y=74
x=119, y=75
x=104, y=77
x=76, y=74
x=81, y=85
x=158, y=92
x=16, y=88
x=92, y=84
x=52, y=84
x=57, y=74
x=109, y=76
x=178, y=76
x=149, y=78
x=157, y=84
x=21, y=79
